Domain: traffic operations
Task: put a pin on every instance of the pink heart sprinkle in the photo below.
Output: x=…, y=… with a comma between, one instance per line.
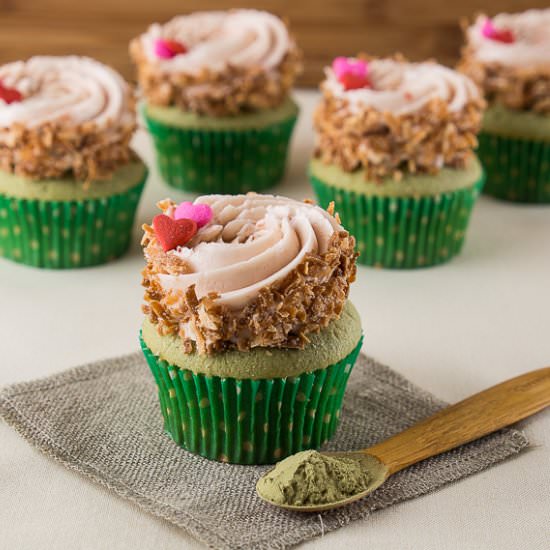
x=344, y=65
x=199, y=213
x=162, y=50
x=488, y=28
x=166, y=49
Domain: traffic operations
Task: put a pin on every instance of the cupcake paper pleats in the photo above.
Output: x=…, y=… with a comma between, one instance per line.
x=518, y=169
x=250, y=421
x=221, y=160
x=67, y=234
x=403, y=232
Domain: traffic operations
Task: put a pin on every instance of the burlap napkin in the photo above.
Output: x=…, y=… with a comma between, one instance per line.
x=103, y=420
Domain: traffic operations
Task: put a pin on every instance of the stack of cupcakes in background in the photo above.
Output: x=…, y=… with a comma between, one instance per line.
x=249, y=332
x=394, y=152
x=509, y=58
x=217, y=89
x=69, y=182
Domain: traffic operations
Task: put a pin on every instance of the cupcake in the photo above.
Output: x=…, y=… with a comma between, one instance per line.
x=509, y=58
x=217, y=98
x=394, y=152
x=248, y=330
x=69, y=182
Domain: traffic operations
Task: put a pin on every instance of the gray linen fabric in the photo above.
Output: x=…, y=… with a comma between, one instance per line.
x=103, y=420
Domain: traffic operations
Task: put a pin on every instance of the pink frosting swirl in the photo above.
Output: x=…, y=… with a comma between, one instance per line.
x=531, y=44
x=251, y=242
x=402, y=88
x=217, y=39
x=67, y=91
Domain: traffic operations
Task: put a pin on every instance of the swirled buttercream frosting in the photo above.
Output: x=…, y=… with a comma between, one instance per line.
x=264, y=271
x=67, y=91
x=215, y=40
x=527, y=43
x=217, y=62
x=402, y=88
x=75, y=115
x=508, y=57
x=388, y=117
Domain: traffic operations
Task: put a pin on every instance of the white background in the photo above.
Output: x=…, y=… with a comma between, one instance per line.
x=453, y=329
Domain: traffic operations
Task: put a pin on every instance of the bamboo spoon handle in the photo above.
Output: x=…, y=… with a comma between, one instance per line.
x=476, y=416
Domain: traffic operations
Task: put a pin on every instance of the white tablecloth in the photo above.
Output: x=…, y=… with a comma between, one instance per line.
x=453, y=329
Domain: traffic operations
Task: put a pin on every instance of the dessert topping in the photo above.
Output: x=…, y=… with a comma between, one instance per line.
x=488, y=30
x=9, y=95
x=199, y=213
x=173, y=233
x=167, y=49
x=351, y=73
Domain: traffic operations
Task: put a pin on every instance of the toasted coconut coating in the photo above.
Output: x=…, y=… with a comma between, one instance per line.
x=519, y=88
x=49, y=151
x=233, y=91
x=281, y=315
x=385, y=145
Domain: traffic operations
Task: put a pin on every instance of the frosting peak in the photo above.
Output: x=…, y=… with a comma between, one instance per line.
x=215, y=40
x=529, y=47
x=402, y=88
x=67, y=91
x=251, y=242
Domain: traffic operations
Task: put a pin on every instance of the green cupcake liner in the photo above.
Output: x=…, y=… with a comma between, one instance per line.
x=250, y=421
x=221, y=161
x=403, y=232
x=67, y=234
x=517, y=169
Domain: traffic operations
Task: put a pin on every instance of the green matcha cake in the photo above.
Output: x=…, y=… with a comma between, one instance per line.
x=220, y=115
x=394, y=155
x=507, y=56
x=69, y=183
x=248, y=330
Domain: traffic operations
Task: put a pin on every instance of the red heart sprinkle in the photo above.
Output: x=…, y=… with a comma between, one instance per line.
x=10, y=95
x=503, y=35
x=173, y=233
x=176, y=47
x=352, y=81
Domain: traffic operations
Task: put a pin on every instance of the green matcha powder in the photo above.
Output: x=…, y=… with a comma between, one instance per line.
x=310, y=478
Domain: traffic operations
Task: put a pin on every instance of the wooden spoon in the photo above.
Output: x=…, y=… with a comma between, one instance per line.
x=472, y=418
